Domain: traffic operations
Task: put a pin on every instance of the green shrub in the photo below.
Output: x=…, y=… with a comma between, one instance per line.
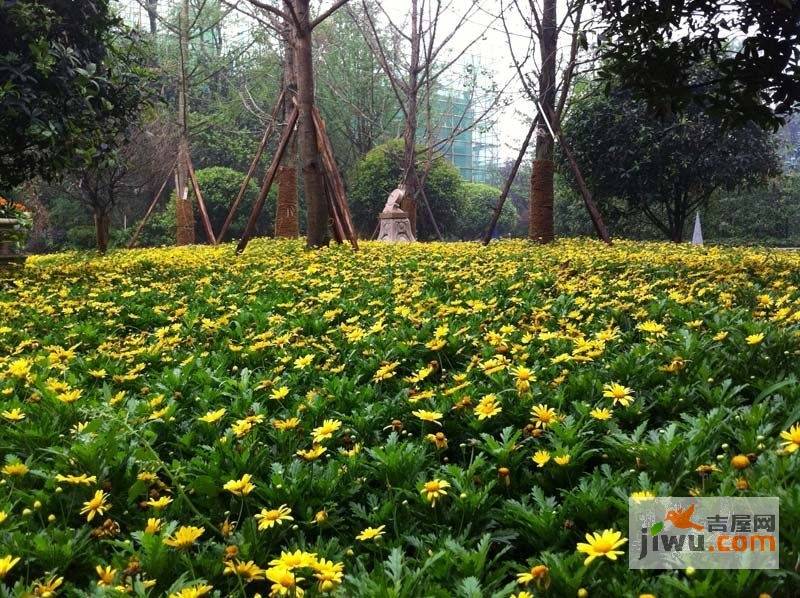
x=477, y=207
x=219, y=186
x=378, y=174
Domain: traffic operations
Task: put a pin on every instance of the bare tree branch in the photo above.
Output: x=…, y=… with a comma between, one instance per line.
x=334, y=7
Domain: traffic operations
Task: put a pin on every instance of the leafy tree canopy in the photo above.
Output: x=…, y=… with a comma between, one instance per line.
x=70, y=82
x=665, y=168
x=654, y=46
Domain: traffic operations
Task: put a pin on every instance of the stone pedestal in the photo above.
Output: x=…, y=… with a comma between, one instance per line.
x=395, y=227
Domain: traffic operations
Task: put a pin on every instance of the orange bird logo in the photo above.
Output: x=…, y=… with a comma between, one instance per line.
x=682, y=519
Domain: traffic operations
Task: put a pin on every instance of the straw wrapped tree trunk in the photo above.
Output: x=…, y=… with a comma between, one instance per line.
x=184, y=214
x=542, y=184
x=287, y=222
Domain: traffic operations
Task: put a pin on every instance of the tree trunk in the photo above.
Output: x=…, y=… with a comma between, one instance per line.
x=314, y=183
x=410, y=178
x=102, y=226
x=184, y=214
x=152, y=13
x=541, y=228
x=287, y=224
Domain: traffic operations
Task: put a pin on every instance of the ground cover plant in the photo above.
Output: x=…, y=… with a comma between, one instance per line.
x=411, y=420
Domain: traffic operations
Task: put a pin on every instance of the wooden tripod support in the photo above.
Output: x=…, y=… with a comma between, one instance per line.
x=338, y=209
x=251, y=171
x=591, y=207
x=146, y=217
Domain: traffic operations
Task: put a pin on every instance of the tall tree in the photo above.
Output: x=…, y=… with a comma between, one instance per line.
x=65, y=96
x=296, y=15
x=559, y=41
x=414, y=71
x=655, y=46
x=354, y=95
x=665, y=168
x=120, y=174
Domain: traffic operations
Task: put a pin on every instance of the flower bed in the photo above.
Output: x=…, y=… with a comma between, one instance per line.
x=416, y=420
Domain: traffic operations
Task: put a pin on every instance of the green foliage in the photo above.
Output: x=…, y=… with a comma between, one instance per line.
x=751, y=45
x=379, y=173
x=219, y=186
x=72, y=82
x=665, y=168
x=767, y=214
x=475, y=211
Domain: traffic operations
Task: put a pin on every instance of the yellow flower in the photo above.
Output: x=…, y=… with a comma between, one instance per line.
x=487, y=407
x=286, y=424
x=96, y=505
x=754, y=339
x=241, y=427
x=543, y=415
x=298, y=559
x=241, y=487
x=153, y=526
x=434, y=490
x=269, y=517
x=70, y=396
x=147, y=476
x=386, y=371
x=652, y=328
x=601, y=414
x=279, y=393
x=326, y=430
x=721, y=335
x=438, y=439
x=428, y=416
x=106, y=575
x=3, y=517
x=523, y=374
x=538, y=574
x=302, y=362
x=321, y=517
x=48, y=587
x=329, y=574
x=195, y=591
x=621, y=394
x=20, y=368
x=248, y=571
x=562, y=459
x=436, y=344
x=371, y=533
x=641, y=495
x=791, y=438
x=284, y=582
x=315, y=452
x=602, y=544
x=77, y=480
x=159, y=503
x=184, y=537
x=740, y=462
x=213, y=416
x=541, y=458
x=14, y=415
x=6, y=564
